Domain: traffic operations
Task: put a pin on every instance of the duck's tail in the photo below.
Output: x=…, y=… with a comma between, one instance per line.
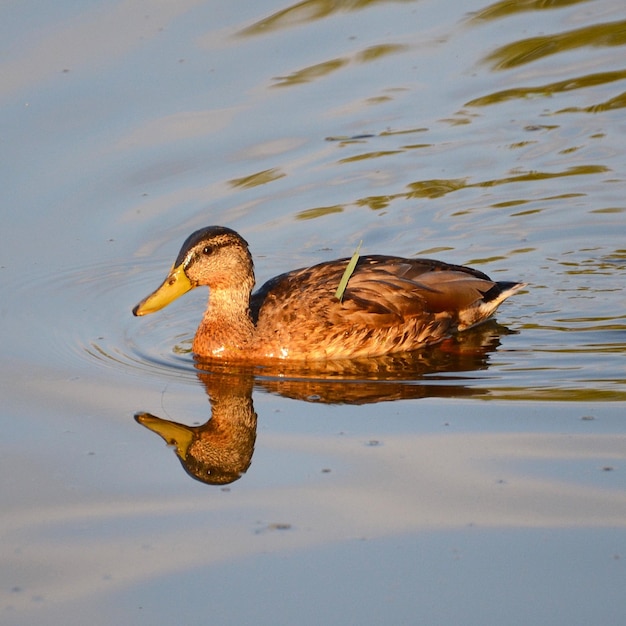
x=484, y=308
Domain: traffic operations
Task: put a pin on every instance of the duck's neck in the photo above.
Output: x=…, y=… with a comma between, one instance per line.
x=226, y=329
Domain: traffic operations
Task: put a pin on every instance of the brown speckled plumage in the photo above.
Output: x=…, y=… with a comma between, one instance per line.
x=391, y=304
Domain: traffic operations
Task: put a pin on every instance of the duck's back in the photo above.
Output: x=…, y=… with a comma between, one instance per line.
x=390, y=304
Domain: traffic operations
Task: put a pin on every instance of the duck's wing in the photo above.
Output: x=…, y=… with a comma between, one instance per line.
x=399, y=288
x=382, y=290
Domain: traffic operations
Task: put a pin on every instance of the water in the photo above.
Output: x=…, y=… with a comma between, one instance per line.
x=479, y=482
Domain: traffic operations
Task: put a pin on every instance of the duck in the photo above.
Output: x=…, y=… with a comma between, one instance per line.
x=390, y=304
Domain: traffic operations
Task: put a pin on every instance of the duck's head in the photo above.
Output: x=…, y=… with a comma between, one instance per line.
x=214, y=256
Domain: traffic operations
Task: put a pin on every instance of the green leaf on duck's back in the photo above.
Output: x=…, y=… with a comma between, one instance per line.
x=343, y=283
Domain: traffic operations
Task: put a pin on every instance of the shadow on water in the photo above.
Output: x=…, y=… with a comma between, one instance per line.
x=220, y=451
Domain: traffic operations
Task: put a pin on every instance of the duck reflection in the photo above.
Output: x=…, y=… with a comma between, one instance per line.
x=220, y=451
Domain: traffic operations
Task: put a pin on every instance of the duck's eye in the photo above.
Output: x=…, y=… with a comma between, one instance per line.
x=208, y=250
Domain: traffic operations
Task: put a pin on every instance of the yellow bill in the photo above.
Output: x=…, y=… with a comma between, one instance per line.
x=174, y=286
x=177, y=435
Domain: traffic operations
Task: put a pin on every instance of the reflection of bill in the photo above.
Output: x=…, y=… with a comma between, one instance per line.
x=220, y=451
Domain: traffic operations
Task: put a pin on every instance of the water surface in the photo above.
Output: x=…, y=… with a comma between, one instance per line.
x=478, y=482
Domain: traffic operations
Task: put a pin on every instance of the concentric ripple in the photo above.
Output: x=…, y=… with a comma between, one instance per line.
x=88, y=314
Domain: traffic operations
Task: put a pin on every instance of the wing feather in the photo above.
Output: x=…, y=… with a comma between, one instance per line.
x=382, y=291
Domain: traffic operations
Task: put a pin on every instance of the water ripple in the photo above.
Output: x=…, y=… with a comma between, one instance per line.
x=100, y=328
